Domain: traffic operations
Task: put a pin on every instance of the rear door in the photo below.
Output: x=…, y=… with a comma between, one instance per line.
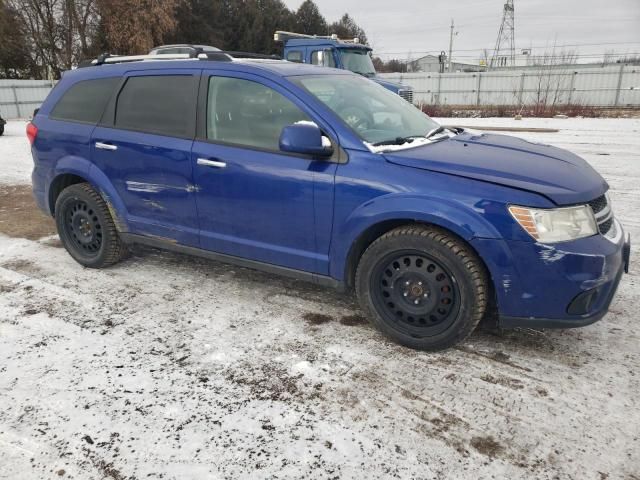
x=144, y=146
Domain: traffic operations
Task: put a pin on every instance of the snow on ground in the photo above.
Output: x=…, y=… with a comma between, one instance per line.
x=15, y=155
x=166, y=366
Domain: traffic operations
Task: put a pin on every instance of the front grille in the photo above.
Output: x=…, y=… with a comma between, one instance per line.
x=605, y=226
x=407, y=95
x=598, y=204
x=604, y=215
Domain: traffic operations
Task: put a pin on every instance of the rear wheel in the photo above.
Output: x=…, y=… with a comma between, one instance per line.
x=422, y=287
x=86, y=228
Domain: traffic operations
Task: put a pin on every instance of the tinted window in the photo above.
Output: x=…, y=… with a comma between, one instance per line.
x=248, y=113
x=85, y=101
x=158, y=104
x=295, y=56
x=323, y=57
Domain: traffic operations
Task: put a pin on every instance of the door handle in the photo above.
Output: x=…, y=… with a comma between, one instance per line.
x=211, y=163
x=105, y=146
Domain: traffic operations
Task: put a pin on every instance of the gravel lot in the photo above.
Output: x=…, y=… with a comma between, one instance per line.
x=167, y=366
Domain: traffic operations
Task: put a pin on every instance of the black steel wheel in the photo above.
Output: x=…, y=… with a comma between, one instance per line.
x=416, y=292
x=86, y=228
x=422, y=286
x=82, y=226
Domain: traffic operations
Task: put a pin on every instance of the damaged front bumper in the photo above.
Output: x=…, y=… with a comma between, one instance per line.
x=564, y=285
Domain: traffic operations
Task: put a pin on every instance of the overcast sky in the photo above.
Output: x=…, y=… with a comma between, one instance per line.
x=402, y=28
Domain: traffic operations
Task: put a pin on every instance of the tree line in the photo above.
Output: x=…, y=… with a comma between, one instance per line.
x=42, y=38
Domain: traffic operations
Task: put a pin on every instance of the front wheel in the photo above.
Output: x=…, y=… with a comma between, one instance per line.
x=86, y=228
x=422, y=287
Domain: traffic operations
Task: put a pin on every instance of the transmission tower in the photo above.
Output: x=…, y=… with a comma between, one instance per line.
x=504, y=53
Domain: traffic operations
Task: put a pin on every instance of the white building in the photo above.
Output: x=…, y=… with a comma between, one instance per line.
x=432, y=63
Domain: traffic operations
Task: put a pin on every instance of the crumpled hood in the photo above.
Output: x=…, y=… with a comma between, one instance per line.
x=555, y=173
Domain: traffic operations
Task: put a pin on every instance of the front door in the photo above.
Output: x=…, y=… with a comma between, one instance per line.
x=144, y=148
x=254, y=201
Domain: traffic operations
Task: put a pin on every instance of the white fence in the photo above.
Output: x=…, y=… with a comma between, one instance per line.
x=610, y=86
x=18, y=98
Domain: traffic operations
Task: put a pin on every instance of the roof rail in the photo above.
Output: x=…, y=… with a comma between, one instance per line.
x=220, y=56
x=108, y=58
x=236, y=54
x=283, y=36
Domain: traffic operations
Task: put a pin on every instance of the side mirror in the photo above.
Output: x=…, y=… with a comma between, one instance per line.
x=305, y=138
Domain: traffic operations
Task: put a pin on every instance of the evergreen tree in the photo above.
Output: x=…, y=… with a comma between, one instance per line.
x=199, y=22
x=309, y=20
x=14, y=55
x=346, y=27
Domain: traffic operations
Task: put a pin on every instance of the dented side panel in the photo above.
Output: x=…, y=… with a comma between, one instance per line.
x=152, y=174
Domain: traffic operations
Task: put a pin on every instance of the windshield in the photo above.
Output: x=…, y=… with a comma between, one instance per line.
x=376, y=114
x=358, y=61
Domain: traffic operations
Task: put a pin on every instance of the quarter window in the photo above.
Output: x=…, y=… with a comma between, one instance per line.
x=85, y=101
x=164, y=105
x=248, y=113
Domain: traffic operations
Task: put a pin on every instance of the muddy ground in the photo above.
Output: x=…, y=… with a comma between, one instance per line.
x=19, y=216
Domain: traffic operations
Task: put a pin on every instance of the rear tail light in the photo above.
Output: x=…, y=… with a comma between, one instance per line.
x=32, y=132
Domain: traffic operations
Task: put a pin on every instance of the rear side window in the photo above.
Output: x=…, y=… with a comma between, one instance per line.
x=164, y=105
x=294, y=56
x=85, y=101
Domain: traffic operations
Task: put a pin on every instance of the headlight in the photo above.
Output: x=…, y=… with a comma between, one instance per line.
x=556, y=225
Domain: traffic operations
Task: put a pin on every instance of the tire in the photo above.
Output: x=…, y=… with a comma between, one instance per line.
x=422, y=287
x=1, y=129
x=86, y=227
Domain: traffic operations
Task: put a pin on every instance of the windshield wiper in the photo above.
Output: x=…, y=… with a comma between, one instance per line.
x=435, y=131
x=397, y=141
x=364, y=74
x=441, y=129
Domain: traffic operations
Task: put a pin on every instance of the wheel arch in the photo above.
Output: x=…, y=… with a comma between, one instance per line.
x=73, y=170
x=363, y=228
x=58, y=184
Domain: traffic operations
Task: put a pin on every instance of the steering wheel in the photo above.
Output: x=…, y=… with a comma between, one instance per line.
x=356, y=118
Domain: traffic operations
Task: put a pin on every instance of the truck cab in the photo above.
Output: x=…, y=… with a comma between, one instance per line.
x=331, y=51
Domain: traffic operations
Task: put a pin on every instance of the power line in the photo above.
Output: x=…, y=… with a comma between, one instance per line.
x=571, y=57
x=533, y=46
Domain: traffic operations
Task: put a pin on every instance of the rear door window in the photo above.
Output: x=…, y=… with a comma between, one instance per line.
x=159, y=104
x=85, y=101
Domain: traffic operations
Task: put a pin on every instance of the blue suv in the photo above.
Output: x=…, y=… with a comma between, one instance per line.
x=254, y=162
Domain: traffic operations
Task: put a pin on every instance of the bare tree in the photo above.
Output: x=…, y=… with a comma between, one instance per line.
x=553, y=82
x=135, y=27
x=60, y=31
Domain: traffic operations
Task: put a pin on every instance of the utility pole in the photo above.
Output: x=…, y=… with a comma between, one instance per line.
x=450, y=45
